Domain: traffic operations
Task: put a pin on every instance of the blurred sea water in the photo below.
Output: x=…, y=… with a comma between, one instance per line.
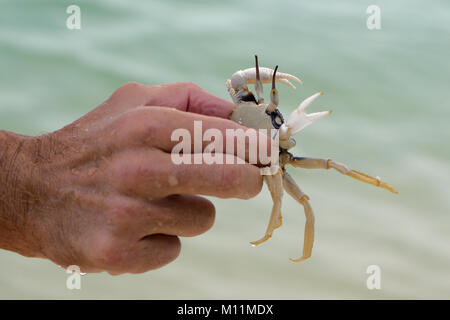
x=388, y=88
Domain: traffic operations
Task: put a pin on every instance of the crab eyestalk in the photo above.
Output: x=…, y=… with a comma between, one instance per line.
x=258, y=83
x=274, y=100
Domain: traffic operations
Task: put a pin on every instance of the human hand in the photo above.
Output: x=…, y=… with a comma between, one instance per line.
x=102, y=193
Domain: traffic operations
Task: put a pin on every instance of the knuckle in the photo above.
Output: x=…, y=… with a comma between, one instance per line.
x=135, y=123
x=121, y=214
x=127, y=169
x=131, y=173
x=132, y=85
x=123, y=170
x=190, y=85
x=106, y=252
x=133, y=118
x=125, y=88
x=140, y=167
x=186, y=87
x=145, y=123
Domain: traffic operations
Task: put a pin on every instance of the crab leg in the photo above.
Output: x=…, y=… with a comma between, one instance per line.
x=295, y=192
x=275, y=185
x=312, y=163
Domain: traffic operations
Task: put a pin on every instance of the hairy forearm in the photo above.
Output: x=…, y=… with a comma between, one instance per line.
x=17, y=198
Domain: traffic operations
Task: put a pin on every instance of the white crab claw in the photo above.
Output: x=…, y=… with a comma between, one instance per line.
x=299, y=119
x=248, y=76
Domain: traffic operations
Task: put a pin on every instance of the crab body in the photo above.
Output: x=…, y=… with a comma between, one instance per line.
x=254, y=115
x=252, y=112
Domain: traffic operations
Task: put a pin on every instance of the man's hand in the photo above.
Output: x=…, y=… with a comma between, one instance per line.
x=103, y=193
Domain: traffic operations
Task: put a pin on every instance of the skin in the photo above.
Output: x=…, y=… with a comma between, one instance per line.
x=102, y=193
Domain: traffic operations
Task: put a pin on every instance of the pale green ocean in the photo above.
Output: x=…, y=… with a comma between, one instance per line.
x=390, y=93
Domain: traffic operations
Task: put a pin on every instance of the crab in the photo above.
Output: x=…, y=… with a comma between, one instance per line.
x=252, y=112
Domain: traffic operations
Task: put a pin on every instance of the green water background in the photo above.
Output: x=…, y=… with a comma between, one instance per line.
x=389, y=90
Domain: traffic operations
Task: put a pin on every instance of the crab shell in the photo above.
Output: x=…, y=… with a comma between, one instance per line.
x=254, y=116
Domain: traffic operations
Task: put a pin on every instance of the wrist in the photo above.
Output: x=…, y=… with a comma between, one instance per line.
x=18, y=195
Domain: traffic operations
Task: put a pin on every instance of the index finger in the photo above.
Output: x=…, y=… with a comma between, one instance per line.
x=188, y=96
x=184, y=96
x=167, y=128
